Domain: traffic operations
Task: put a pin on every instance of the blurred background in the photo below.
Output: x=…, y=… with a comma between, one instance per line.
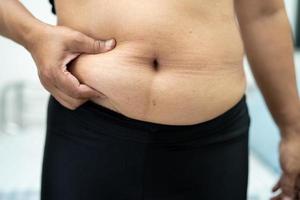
x=23, y=104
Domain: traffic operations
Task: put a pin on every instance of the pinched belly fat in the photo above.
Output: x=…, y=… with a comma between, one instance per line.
x=142, y=84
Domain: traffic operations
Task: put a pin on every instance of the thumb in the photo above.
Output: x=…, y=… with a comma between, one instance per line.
x=99, y=46
x=85, y=44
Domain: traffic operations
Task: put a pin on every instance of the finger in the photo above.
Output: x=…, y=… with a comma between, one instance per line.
x=288, y=183
x=64, y=99
x=277, y=197
x=298, y=183
x=84, y=44
x=287, y=198
x=64, y=81
x=276, y=186
x=70, y=85
x=281, y=197
x=67, y=101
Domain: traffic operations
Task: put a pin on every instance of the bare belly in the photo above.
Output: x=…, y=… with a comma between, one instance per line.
x=174, y=71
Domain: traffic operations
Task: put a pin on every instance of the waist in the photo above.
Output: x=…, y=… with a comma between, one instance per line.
x=160, y=71
x=92, y=120
x=181, y=89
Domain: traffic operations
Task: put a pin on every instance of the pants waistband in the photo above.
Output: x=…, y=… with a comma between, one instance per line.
x=100, y=118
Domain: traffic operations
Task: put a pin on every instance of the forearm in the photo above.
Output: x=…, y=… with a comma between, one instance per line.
x=17, y=23
x=269, y=47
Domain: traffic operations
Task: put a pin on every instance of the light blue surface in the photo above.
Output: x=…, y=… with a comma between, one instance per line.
x=264, y=134
x=19, y=195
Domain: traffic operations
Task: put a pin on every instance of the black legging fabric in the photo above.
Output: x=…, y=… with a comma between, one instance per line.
x=94, y=153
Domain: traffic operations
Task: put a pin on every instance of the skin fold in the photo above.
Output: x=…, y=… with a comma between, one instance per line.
x=197, y=47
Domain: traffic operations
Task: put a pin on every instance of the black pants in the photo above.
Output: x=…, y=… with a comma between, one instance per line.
x=94, y=153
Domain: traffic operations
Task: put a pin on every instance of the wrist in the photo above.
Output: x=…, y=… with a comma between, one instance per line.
x=288, y=115
x=290, y=126
x=32, y=34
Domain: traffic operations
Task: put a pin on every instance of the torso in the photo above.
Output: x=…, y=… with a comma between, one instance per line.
x=196, y=44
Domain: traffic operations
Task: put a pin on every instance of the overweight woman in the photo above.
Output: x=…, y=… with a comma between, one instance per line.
x=148, y=97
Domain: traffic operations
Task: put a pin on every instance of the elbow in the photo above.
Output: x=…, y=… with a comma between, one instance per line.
x=254, y=12
x=269, y=11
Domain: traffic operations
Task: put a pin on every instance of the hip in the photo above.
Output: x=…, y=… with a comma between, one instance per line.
x=94, y=120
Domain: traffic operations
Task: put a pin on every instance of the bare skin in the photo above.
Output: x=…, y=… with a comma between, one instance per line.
x=197, y=47
x=174, y=62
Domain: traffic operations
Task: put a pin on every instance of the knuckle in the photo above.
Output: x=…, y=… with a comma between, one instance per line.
x=45, y=83
x=78, y=37
x=75, y=104
x=72, y=107
x=68, y=105
x=97, y=45
x=47, y=74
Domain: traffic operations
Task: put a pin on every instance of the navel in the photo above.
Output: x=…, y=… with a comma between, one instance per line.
x=155, y=64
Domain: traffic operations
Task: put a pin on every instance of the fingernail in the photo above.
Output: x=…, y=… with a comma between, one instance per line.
x=109, y=43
